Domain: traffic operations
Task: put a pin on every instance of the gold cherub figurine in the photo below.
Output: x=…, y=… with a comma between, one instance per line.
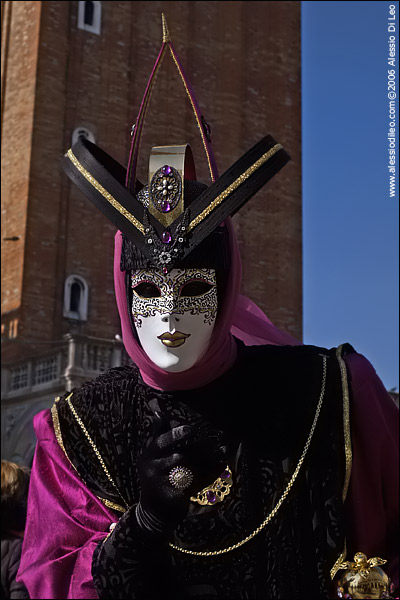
x=363, y=578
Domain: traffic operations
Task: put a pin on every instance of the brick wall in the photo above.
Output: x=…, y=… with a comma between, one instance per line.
x=243, y=60
x=20, y=29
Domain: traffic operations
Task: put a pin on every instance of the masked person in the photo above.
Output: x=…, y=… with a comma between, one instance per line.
x=14, y=495
x=230, y=461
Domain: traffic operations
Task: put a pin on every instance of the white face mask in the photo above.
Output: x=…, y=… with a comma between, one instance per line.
x=174, y=315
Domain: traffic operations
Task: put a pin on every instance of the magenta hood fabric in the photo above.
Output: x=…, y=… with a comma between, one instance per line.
x=65, y=522
x=238, y=316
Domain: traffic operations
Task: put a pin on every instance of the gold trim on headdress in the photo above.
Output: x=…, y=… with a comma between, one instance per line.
x=104, y=192
x=165, y=33
x=231, y=188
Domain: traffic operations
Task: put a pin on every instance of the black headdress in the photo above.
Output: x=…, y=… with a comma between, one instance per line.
x=172, y=216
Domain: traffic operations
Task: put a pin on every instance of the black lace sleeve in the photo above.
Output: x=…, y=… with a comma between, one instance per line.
x=128, y=564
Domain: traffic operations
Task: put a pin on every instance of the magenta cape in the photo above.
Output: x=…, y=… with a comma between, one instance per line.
x=66, y=521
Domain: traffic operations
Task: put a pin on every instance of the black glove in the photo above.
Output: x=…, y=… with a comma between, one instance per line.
x=132, y=564
x=162, y=506
x=124, y=564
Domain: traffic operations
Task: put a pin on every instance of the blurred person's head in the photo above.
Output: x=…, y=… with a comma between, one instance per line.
x=14, y=495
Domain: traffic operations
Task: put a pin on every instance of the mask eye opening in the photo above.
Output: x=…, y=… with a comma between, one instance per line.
x=196, y=288
x=146, y=289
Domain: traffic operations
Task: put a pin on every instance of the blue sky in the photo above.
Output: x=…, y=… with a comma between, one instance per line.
x=350, y=223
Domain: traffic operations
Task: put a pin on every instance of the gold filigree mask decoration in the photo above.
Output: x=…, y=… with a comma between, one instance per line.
x=174, y=314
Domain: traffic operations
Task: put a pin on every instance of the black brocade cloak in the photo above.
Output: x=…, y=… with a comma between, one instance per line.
x=265, y=406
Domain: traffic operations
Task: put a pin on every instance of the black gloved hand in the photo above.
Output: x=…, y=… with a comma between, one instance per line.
x=162, y=506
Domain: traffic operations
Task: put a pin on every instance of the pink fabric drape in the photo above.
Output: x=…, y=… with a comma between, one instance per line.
x=372, y=505
x=65, y=522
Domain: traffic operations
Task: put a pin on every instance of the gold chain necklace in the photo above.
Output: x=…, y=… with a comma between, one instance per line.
x=285, y=493
x=273, y=511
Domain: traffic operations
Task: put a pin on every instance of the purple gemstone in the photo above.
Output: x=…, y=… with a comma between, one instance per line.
x=165, y=270
x=165, y=206
x=211, y=497
x=166, y=237
x=166, y=170
x=225, y=475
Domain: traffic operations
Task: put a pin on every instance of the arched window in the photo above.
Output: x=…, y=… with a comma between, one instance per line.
x=76, y=296
x=89, y=13
x=89, y=16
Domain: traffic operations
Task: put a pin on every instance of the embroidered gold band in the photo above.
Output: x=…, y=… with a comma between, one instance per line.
x=57, y=429
x=216, y=202
x=125, y=213
x=231, y=188
x=346, y=421
x=57, y=432
x=112, y=505
x=347, y=445
x=94, y=447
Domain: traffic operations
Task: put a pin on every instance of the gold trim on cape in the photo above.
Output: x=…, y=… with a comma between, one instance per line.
x=94, y=447
x=58, y=434
x=347, y=444
x=346, y=421
x=112, y=505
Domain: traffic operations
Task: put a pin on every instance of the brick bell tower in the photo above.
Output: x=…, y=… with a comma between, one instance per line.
x=80, y=68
